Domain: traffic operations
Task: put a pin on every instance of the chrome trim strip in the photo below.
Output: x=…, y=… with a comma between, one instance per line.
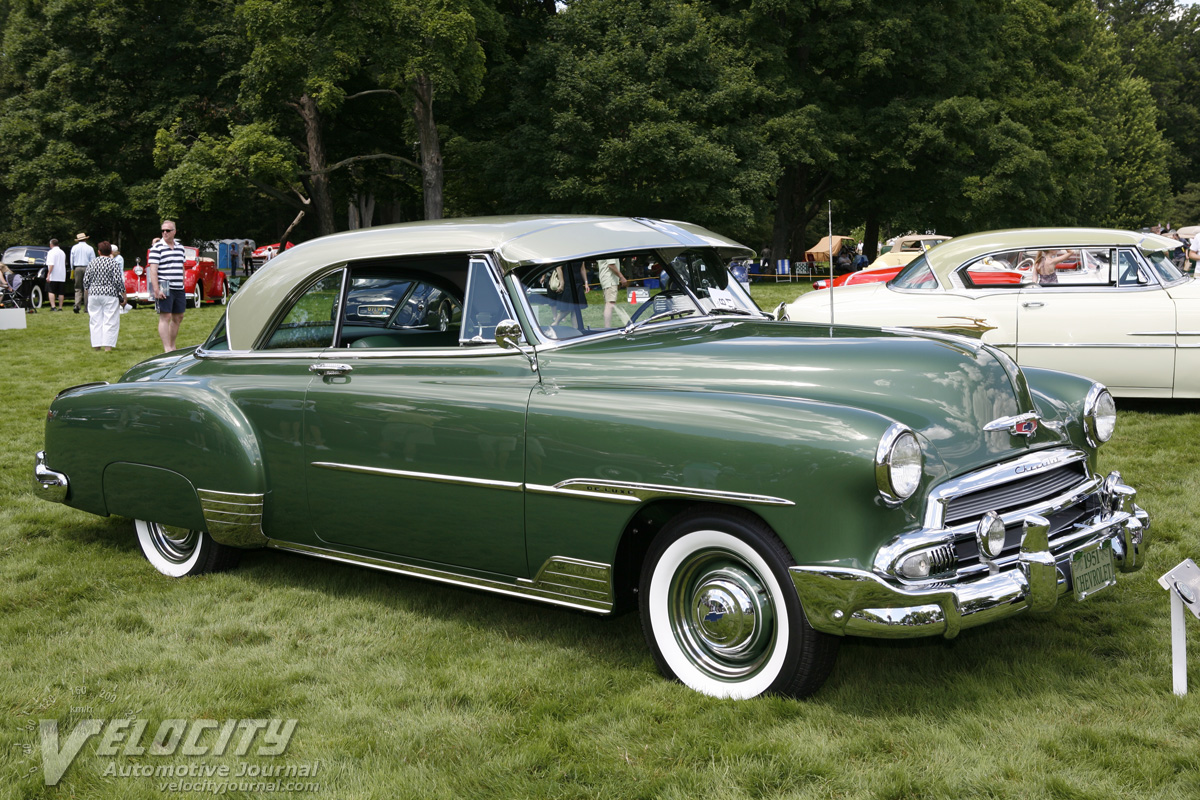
x=1112, y=345
x=561, y=581
x=233, y=518
x=421, y=476
x=627, y=492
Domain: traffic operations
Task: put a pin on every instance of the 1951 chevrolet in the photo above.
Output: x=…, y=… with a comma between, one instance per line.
x=446, y=400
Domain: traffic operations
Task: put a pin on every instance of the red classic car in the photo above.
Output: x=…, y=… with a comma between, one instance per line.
x=992, y=276
x=201, y=280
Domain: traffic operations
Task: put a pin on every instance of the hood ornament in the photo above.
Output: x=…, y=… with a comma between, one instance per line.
x=1020, y=425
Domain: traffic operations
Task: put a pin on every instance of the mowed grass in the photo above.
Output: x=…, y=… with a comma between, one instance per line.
x=408, y=689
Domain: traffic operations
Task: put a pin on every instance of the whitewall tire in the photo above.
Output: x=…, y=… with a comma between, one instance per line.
x=721, y=615
x=178, y=552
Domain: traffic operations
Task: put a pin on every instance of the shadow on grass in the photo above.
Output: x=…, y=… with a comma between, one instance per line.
x=1027, y=656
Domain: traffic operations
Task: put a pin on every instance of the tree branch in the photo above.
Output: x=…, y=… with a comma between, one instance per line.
x=392, y=92
x=372, y=157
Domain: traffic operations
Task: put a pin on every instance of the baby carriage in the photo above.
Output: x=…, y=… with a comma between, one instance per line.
x=13, y=295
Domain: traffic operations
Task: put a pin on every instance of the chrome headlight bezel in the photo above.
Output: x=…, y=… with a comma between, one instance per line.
x=899, y=464
x=990, y=535
x=1099, y=415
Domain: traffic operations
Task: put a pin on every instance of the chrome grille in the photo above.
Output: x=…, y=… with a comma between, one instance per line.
x=1014, y=495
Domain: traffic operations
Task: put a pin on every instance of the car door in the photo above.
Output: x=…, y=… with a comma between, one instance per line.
x=1114, y=323
x=417, y=451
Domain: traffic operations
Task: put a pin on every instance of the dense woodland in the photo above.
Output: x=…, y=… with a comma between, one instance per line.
x=252, y=118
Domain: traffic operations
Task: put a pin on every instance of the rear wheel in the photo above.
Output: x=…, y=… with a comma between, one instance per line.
x=721, y=615
x=178, y=551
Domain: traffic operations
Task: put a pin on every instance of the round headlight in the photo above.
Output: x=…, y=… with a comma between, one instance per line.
x=898, y=464
x=137, y=270
x=1099, y=415
x=990, y=535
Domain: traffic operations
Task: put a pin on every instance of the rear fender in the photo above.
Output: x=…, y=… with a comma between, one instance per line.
x=169, y=453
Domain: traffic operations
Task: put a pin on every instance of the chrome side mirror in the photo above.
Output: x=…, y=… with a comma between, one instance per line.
x=508, y=337
x=508, y=334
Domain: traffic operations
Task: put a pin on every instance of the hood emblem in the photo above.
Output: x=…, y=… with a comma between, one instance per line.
x=1020, y=425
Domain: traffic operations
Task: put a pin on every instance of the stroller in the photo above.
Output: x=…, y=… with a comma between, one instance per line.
x=13, y=295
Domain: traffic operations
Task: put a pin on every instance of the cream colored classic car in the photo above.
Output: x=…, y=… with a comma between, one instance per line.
x=906, y=248
x=1113, y=306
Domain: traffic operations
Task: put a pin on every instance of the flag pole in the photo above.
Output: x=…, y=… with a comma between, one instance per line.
x=830, y=287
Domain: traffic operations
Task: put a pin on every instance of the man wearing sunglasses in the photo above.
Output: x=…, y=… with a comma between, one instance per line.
x=165, y=270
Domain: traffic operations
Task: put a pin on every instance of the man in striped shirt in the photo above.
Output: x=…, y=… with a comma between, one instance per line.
x=165, y=268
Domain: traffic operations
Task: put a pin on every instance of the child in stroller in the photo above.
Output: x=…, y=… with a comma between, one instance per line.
x=11, y=291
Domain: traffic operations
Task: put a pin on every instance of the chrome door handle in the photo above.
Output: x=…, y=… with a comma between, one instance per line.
x=329, y=368
x=1033, y=305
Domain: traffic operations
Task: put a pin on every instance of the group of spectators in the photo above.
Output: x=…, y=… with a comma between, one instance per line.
x=99, y=284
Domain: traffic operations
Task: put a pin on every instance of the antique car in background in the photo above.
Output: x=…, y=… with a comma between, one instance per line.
x=29, y=261
x=202, y=281
x=903, y=250
x=1119, y=311
x=756, y=490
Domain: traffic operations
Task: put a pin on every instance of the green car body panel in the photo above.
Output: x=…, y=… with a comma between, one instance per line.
x=546, y=468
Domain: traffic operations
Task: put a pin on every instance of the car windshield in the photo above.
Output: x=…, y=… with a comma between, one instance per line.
x=575, y=298
x=917, y=275
x=1162, y=264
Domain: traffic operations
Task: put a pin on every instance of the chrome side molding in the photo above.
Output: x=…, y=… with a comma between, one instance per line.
x=561, y=581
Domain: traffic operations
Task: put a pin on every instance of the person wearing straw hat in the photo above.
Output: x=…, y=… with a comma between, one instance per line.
x=81, y=255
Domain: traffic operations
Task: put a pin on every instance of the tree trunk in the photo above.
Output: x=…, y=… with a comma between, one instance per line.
x=431, y=149
x=321, y=196
x=798, y=201
x=870, y=241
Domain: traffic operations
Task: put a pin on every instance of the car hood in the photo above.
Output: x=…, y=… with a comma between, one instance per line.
x=944, y=387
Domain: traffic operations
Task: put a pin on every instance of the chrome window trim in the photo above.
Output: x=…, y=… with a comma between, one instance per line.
x=347, y=353
x=560, y=581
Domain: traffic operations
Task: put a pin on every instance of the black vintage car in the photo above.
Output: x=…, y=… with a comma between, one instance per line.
x=29, y=261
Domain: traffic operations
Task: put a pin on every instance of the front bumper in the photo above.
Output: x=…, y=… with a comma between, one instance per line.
x=863, y=603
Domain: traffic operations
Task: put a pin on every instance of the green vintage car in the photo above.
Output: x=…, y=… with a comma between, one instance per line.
x=474, y=402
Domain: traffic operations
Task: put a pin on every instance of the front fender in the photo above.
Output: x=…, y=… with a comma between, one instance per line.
x=598, y=457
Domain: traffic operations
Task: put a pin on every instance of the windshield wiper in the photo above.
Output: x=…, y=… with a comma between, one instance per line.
x=745, y=312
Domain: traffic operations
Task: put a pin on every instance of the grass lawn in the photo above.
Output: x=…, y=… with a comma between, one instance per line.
x=408, y=689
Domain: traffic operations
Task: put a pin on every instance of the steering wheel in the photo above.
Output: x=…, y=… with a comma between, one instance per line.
x=1025, y=264
x=649, y=304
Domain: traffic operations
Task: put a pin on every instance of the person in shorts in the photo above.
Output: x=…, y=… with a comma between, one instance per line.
x=165, y=271
x=611, y=280
x=56, y=275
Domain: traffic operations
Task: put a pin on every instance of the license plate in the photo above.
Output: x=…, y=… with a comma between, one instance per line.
x=1092, y=570
x=374, y=311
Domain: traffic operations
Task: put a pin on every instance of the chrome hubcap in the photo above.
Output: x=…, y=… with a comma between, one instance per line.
x=722, y=615
x=176, y=545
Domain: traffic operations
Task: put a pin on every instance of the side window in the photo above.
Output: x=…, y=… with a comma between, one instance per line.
x=484, y=308
x=397, y=307
x=310, y=321
x=1130, y=271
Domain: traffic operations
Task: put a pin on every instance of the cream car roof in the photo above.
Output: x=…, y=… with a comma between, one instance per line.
x=516, y=241
x=952, y=253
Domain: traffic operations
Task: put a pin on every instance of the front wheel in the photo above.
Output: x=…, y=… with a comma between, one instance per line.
x=178, y=552
x=35, y=298
x=197, y=295
x=720, y=614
